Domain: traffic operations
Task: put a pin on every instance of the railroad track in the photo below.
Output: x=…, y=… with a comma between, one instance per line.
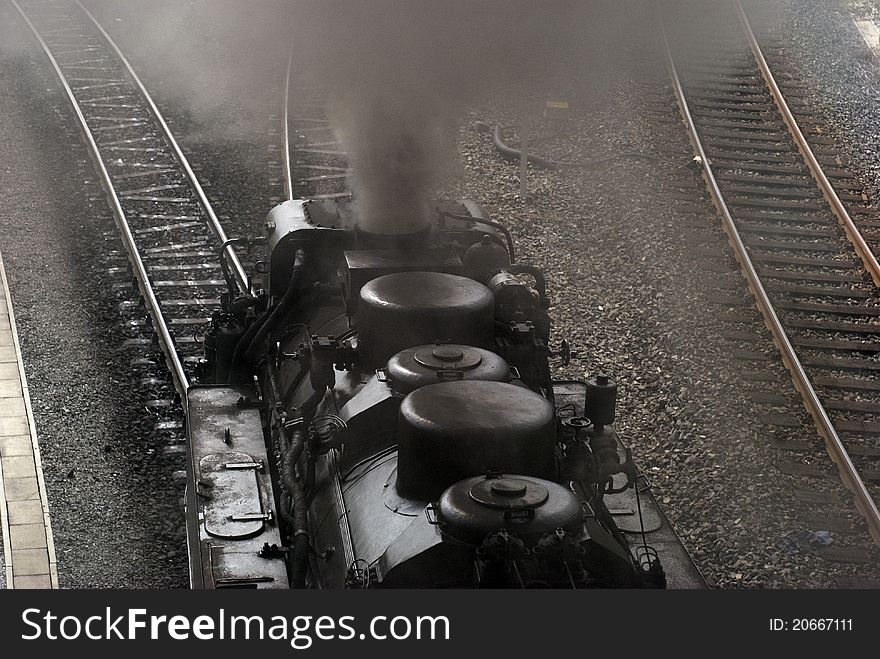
x=801, y=228
x=314, y=164
x=172, y=238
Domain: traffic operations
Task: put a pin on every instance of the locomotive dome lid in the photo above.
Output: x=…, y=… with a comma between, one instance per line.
x=473, y=407
x=422, y=365
x=453, y=430
x=425, y=290
x=529, y=507
x=407, y=309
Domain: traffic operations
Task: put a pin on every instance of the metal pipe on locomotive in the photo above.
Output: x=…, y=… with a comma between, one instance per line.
x=382, y=414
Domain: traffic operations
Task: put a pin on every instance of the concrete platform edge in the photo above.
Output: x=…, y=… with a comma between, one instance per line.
x=44, y=502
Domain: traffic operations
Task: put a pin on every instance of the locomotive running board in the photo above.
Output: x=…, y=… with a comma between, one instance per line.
x=681, y=572
x=230, y=505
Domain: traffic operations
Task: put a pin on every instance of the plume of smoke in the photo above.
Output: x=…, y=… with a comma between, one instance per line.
x=216, y=58
x=399, y=73
x=397, y=158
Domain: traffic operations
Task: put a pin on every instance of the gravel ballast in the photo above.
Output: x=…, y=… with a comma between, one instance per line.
x=634, y=283
x=824, y=46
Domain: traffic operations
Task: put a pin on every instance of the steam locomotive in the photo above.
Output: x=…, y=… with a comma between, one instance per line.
x=382, y=414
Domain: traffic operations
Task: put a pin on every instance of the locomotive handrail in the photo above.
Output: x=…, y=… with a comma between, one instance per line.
x=238, y=271
x=852, y=232
x=835, y=447
x=166, y=341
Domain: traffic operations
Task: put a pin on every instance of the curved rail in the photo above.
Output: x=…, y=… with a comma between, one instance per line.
x=166, y=341
x=285, y=151
x=314, y=159
x=238, y=271
x=835, y=447
x=837, y=207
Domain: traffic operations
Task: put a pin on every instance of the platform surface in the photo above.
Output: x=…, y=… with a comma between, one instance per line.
x=28, y=552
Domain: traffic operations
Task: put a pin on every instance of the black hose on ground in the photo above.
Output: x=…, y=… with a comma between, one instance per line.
x=299, y=555
x=509, y=153
x=284, y=510
x=514, y=155
x=291, y=457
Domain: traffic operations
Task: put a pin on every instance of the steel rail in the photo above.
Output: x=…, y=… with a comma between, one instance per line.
x=214, y=224
x=163, y=333
x=285, y=152
x=835, y=447
x=852, y=232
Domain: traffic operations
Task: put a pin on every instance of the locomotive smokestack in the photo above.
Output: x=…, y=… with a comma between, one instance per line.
x=390, y=240
x=398, y=150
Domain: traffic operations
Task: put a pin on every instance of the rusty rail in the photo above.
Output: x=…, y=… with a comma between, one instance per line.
x=848, y=472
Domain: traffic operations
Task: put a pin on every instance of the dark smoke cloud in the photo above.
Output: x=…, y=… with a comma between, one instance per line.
x=398, y=74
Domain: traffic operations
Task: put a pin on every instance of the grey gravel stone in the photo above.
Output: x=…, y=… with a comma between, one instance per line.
x=631, y=283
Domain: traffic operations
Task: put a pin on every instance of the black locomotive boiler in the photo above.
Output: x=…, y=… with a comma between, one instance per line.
x=382, y=413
